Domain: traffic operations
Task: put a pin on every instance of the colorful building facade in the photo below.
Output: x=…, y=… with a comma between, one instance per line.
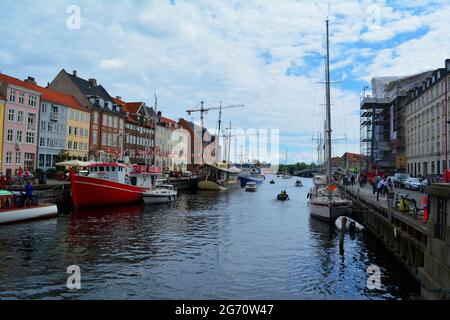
x=20, y=124
x=107, y=119
x=78, y=132
x=2, y=120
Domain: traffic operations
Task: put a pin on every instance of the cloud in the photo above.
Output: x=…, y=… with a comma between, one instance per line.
x=264, y=54
x=112, y=64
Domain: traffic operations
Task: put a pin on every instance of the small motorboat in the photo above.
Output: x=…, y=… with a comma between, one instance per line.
x=283, y=196
x=251, y=187
x=272, y=182
x=163, y=193
x=14, y=208
x=350, y=224
x=298, y=183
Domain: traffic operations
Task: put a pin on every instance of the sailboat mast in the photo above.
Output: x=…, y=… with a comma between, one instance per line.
x=328, y=107
x=218, y=133
x=154, y=138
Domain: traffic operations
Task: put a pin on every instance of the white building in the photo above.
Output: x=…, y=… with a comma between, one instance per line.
x=426, y=125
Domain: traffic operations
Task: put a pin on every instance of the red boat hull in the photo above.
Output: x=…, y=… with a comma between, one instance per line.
x=94, y=192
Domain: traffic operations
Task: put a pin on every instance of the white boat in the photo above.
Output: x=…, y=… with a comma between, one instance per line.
x=298, y=183
x=217, y=177
x=350, y=224
x=328, y=208
x=287, y=176
x=251, y=187
x=320, y=180
x=325, y=202
x=10, y=213
x=163, y=193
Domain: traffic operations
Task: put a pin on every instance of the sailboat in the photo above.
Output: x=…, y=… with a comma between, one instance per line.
x=160, y=192
x=324, y=201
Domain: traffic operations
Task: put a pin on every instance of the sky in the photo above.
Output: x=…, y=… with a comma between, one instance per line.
x=267, y=55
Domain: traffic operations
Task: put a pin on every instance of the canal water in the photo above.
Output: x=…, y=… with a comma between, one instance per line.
x=208, y=245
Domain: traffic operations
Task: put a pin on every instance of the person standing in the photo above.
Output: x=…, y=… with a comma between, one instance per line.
x=380, y=187
x=29, y=194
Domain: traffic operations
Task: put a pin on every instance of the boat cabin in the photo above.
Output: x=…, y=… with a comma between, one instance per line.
x=219, y=175
x=116, y=172
x=6, y=200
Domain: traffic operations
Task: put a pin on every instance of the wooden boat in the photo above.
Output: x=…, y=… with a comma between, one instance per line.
x=13, y=210
x=217, y=178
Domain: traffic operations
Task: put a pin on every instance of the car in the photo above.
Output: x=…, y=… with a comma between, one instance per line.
x=400, y=179
x=412, y=184
x=424, y=185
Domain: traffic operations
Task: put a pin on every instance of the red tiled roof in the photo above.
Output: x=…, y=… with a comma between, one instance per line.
x=167, y=120
x=133, y=107
x=46, y=94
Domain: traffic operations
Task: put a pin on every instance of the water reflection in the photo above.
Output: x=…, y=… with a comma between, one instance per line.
x=207, y=245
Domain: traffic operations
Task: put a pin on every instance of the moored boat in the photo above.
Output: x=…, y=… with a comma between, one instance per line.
x=298, y=183
x=162, y=193
x=250, y=173
x=106, y=184
x=251, y=187
x=217, y=178
x=14, y=211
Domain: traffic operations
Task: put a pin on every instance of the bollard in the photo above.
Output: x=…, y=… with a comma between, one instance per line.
x=425, y=209
x=342, y=234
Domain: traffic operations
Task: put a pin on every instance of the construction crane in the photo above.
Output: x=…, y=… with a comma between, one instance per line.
x=204, y=109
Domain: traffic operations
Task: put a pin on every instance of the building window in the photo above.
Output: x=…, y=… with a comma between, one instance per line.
x=41, y=160
x=42, y=142
x=32, y=100
x=30, y=137
x=75, y=145
x=70, y=130
x=21, y=98
x=12, y=96
x=75, y=131
x=96, y=117
x=43, y=107
x=104, y=137
x=18, y=157
x=71, y=114
x=10, y=135
x=19, y=136
x=48, y=160
x=20, y=116
x=69, y=145
x=11, y=115
x=8, y=157
x=94, y=137
x=31, y=121
x=441, y=218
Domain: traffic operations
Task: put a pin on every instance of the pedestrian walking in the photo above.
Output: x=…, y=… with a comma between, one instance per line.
x=352, y=179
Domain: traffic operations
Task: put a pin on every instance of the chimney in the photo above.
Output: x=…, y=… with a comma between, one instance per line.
x=447, y=65
x=118, y=97
x=31, y=80
x=74, y=73
x=93, y=82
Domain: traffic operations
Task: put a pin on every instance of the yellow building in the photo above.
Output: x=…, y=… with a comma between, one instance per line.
x=78, y=127
x=2, y=121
